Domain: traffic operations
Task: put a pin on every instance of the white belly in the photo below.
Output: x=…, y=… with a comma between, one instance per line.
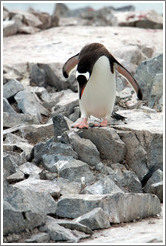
x=99, y=94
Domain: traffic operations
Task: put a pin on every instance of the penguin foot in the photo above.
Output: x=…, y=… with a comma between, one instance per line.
x=102, y=124
x=82, y=124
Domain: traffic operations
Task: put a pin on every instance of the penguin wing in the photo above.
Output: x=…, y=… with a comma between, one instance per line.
x=70, y=65
x=124, y=72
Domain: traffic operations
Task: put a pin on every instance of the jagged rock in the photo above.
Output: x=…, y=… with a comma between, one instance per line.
x=107, y=142
x=103, y=186
x=57, y=232
x=136, y=156
x=16, y=220
x=149, y=75
x=126, y=180
x=15, y=120
x=37, y=75
x=29, y=104
x=41, y=237
x=9, y=28
x=7, y=107
x=9, y=164
x=50, y=147
x=66, y=105
x=60, y=125
x=30, y=170
x=53, y=162
x=37, y=185
x=44, y=17
x=86, y=150
x=16, y=177
x=156, y=177
x=95, y=219
x=11, y=88
x=28, y=18
x=121, y=207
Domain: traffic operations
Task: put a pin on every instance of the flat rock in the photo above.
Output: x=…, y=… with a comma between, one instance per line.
x=30, y=200
x=121, y=207
x=42, y=186
x=11, y=88
x=95, y=219
x=9, y=28
x=107, y=142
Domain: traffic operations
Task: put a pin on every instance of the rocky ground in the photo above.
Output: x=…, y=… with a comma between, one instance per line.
x=64, y=184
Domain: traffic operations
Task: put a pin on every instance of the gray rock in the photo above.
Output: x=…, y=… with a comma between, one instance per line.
x=136, y=156
x=67, y=103
x=150, y=19
x=95, y=219
x=9, y=28
x=107, y=142
x=28, y=18
x=51, y=148
x=37, y=75
x=9, y=164
x=125, y=179
x=57, y=232
x=52, y=162
x=37, y=185
x=28, y=168
x=86, y=150
x=156, y=177
x=60, y=125
x=15, y=119
x=157, y=189
x=11, y=88
x=149, y=75
x=36, y=133
x=121, y=207
x=7, y=107
x=16, y=220
x=103, y=186
x=15, y=177
x=29, y=104
x=22, y=199
x=68, y=187
x=74, y=225
x=41, y=237
x=74, y=170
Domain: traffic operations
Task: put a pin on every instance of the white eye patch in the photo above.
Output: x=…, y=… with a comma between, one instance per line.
x=87, y=74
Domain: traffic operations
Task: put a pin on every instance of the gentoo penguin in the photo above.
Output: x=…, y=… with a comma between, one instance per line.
x=95, y=74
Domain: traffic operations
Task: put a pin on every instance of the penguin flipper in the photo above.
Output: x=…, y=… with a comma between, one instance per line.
x=124, y=72
x=70, y=65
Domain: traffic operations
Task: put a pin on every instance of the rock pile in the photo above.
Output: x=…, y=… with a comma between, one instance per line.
x=62, y=183
x=31, y=21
